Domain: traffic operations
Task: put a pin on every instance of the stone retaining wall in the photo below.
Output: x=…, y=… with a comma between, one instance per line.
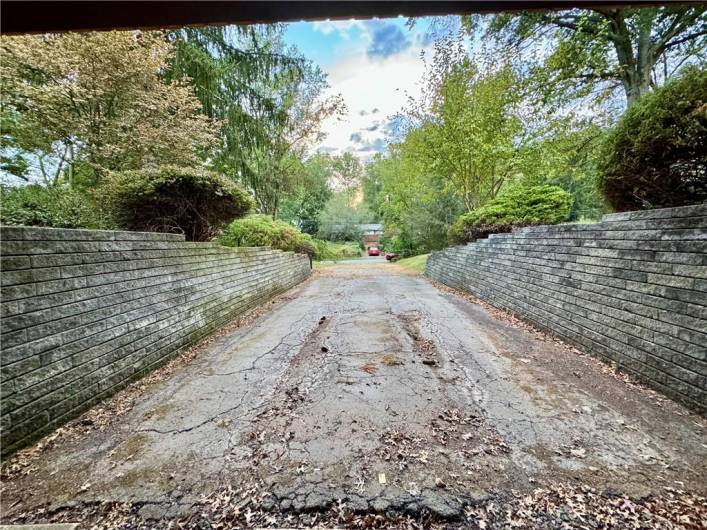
x=631, y=289
x=84, y=312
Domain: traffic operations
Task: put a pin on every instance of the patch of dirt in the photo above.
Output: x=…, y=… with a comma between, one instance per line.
x=425, y=347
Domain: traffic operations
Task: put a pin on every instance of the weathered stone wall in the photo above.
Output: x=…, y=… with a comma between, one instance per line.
x=84, y=312
x=631, y=289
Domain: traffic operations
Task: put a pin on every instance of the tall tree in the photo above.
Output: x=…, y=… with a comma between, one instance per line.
x=83, y=104
x=302, y=206
x=268, y=97
x=301, y=105
x=603, y=48
x=472, y=132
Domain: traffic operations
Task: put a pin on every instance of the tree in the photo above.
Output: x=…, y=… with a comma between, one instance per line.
x=416, y=205
x=340, y=218
x=603, y=48
x=372, y=184
x=83, y=104
x=235, y=72
x=302, y=206
x=472, y=132
x=301, y=106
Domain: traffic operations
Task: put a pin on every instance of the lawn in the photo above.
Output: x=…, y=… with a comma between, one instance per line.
x=415, y=263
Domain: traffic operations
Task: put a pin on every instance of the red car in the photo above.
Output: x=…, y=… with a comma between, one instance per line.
x=373, y=251
x=390, y=256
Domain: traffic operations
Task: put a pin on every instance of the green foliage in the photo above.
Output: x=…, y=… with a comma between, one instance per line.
x=194, y=202
x=416, y=205
x=75, y=106
x=568, y=158
x=334, y=251
x=516, y=207
x=472, y=135
x=400, y=242
x=57, y=207
x=339, y=220
x=655, y=156
x=595, y=52
x=260, y=230
x=269, y=99
x=303, y=205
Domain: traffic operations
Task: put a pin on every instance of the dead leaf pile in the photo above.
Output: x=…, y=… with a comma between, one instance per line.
x=570, y=506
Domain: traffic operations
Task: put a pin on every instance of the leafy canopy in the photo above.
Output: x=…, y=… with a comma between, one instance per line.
x=78, y=105
x=577, y=52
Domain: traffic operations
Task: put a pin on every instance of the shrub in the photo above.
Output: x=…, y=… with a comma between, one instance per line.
x=655, y=156
x=400, y=242
x=189, y=201
x=58, y=207
x=536, y=205
x=327, y=250
x=259, y=230
x=306, y=245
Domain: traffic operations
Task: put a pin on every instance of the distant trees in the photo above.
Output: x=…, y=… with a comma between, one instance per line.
x=340, y=218
x=303, y=204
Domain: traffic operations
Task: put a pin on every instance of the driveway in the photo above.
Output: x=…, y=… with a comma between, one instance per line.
x=366, y=391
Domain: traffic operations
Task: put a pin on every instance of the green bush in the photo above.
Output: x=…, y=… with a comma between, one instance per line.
x=327, y=250
x=538, y=205
x=58, y=207
x=259, y=230
x=306, y=245
x=194, y=202
x=401, y=243
x=655, y=156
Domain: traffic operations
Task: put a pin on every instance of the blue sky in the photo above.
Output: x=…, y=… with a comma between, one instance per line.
x=374, y=64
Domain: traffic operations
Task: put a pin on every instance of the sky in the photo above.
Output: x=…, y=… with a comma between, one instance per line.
x=374, y=65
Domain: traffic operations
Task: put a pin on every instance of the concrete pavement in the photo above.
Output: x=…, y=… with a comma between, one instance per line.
x=373, y=388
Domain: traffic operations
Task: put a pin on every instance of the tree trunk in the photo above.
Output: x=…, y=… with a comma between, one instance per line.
x=636, y=65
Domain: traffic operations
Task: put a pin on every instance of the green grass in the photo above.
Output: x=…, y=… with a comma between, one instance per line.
x=415, y=263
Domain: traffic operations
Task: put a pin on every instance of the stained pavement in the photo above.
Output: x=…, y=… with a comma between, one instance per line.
x=373, y=388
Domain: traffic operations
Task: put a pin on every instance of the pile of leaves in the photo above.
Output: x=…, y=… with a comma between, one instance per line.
x=190, y=201
x=571, y=506
x=536, y=205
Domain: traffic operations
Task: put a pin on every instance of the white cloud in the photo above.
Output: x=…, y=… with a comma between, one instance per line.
x=342, y=27
x=374, y=89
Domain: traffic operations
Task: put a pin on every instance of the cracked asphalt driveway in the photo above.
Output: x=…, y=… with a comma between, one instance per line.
x=375, y=388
